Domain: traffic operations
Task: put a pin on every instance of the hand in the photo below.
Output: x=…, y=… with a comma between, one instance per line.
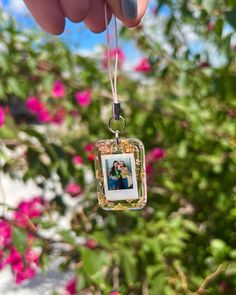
x=50, y=14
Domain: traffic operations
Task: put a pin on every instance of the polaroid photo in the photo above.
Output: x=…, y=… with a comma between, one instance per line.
x=120, y=182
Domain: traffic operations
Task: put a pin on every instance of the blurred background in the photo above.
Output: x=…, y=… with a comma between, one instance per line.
x=177, y=86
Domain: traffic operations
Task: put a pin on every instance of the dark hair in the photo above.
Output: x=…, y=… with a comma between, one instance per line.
x=113, y=169
x=123, y=163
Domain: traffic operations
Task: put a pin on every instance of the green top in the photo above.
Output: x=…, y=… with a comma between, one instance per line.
x=116, y=175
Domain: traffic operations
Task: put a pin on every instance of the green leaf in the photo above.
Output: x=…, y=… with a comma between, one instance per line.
x=66, y=235
x=46, y=224
x=191, y=226
x=6, y=207
x=20, y=240
x=233, y=254
x=101, y=238
x=182, y=150
x=231, y=17
x=2, y=92
x=59, y=204
x=219, y=248
x=209, y=5
x=129, y=262
x=219, y=27
x=15, y=87
x=63, y=170
x=81, y=281
x=44, y=262
x=94, y=262
x=159, y=283
x=34, y=133
x=3, y=63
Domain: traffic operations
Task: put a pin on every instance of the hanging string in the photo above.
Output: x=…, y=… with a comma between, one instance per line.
x=113, y=80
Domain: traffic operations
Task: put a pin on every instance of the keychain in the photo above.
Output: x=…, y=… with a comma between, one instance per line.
x=119, y=162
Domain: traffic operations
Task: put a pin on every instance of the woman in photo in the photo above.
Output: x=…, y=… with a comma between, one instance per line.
x=114, y=175
x=124, y=173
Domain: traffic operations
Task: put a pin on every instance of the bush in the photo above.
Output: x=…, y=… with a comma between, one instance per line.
x=55, y=104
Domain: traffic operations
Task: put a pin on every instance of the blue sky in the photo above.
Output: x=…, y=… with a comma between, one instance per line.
x=75, y=35
x=78, y=37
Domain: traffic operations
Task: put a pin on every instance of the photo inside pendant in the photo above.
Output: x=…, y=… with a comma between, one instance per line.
x=120, y=182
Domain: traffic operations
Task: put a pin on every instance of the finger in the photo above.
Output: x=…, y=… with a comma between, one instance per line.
x=75, y=10
x=116, y=8
x=95, y=19
x=47, y=14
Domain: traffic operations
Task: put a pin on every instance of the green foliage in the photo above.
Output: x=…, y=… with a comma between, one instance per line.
x=19, y=239
x=185, y=104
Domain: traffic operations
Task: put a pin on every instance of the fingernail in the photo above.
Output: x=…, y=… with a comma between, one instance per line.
x=129, y=8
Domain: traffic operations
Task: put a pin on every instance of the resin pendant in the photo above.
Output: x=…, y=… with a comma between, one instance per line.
x=120, y=174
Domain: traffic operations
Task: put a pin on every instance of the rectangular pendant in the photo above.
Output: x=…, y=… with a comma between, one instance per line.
x=120, y=174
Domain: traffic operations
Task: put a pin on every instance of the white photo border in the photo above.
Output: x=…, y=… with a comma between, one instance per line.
x=124, y=194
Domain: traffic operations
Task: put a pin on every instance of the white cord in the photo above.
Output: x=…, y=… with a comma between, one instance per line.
x=113, y=81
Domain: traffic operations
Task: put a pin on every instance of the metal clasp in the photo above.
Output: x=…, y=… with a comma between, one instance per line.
x=117, y=132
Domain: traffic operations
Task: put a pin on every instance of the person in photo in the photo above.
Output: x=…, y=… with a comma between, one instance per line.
x=124, y=176
x=113, y=176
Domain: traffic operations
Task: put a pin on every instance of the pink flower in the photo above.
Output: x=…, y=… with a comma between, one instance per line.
x=44, y=116
x=5, y=233
x=58, y=89
x=210, y=27
x=2, y=262
x=232, y=113
x=59, y=116
x=32, y=257
x=24, y=274
x=114, y=293
x=77, y=160
x=158, y=153
x=7, y=110
x=91, y=244
x=223, y=286
x=14, y=258
x=149, y=169
x=143, y=66
x=71, y=287
x=74, y=113
x=29, y=209
x=121, y=57
x=2, y=117
x=154, y=10
x=73, y=188
x=89, y=147
x=34, y=105
x=32, y=208
x=204, y=64
x=151, y=157
x=83, y=98
x=23, y=269
x=91, y=157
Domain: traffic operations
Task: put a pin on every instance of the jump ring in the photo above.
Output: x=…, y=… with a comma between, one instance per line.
x=115, y=131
